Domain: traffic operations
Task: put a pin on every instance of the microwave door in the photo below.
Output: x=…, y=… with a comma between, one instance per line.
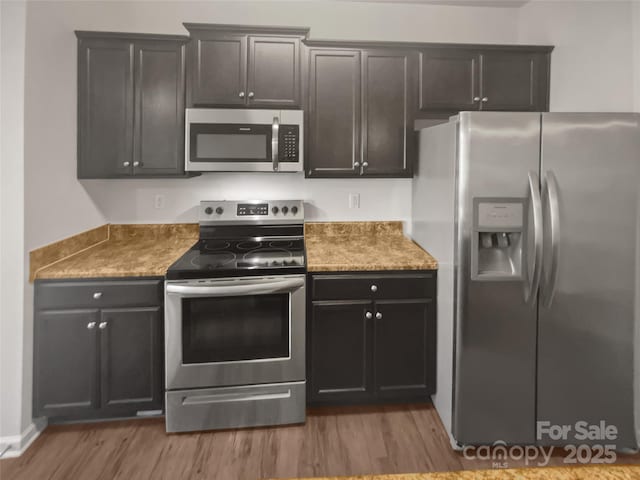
x=231, y=147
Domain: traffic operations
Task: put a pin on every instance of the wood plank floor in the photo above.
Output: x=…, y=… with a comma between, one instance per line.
x=334, y=441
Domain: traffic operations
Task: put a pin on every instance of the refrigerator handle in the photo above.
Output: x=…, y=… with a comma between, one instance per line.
x=550, y=190
x=531, y=290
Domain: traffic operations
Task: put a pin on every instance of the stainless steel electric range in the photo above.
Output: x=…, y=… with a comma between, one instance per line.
x=235, y=319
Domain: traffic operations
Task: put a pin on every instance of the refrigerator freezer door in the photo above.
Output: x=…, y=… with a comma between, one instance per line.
x=588, y=304
x=495, y=337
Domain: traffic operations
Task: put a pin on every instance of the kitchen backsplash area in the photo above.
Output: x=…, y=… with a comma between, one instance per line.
x=171, y=200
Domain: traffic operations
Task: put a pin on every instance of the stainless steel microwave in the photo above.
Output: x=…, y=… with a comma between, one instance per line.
x=230, y=140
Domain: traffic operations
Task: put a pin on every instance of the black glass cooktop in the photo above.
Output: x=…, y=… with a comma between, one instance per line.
x=216, y=258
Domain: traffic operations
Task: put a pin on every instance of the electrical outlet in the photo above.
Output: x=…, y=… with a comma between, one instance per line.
x=158, y=201
x=354, y=200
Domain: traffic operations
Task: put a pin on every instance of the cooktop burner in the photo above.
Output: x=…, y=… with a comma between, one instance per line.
x=212, y=257
x=245, y=238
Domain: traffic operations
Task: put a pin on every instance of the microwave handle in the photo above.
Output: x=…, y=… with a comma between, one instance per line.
x=275, y=132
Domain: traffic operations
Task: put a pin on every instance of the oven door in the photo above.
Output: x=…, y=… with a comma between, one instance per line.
x=234, y=331
x=243, y=140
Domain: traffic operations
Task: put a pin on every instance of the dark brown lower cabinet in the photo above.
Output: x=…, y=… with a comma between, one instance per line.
x=102, y=362
x=340, y=351
x=366, y=348
x=129, y=353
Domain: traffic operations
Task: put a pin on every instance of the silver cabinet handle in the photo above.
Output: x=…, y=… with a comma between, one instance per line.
x=374, y=288
x=97, y=295
x=536, y=204
x=275, y=131
x=551, y=277
x=250, y=94
x=485, y=99
x=137, y=164
x=368, y=315
x=356, y=164
x=365, y=164
x=241, y=94
x=91, y=325
x=102, y=325
x=126, y=164
x=379, y=315
x=476, y=99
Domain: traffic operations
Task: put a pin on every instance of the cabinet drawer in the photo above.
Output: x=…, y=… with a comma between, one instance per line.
x=99, y=294
x=375, y=286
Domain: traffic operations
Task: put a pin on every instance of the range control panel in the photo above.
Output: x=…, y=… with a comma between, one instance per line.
x=251, y=211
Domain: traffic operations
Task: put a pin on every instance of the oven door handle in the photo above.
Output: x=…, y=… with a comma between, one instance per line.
x=227, y=290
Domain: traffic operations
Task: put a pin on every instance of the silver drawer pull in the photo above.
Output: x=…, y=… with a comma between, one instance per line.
x=102, y=325
x=374, y=288
x=379, y=316
x=97, y=295
x=91, y=325
x=126, y=164
x=485, y=99
x=234, y=397
x=368, y=315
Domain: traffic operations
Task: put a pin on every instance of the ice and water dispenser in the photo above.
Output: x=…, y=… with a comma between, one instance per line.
x=498, y=234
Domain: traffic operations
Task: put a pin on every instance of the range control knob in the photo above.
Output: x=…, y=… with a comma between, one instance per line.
x=275, y=210
x=285, y=210
x=294, y=209
x=208, y=210
x=219, y=210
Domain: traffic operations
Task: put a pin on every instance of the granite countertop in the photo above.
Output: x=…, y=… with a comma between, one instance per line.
x=552, y=473
x=363, y=246
x=125, y=251
x=113, y=251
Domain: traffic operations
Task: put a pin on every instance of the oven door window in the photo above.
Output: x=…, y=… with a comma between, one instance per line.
x=230, y=143
x=227, y=329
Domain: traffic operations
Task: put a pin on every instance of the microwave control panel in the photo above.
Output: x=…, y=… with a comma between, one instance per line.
x=288, y=143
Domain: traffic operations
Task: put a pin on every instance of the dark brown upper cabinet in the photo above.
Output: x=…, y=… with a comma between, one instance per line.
x=231, y=66
x=130, y=105
x=360, y=106
x=464, y=78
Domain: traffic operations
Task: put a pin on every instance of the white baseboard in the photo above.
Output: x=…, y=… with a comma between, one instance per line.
x=16, y=445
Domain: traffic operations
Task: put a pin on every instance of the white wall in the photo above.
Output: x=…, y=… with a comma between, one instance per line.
x=591, y=66
x=13, y=418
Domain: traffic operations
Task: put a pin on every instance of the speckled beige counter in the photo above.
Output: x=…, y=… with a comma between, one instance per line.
x=553, y=473
x=363, y=246
x=127, y=251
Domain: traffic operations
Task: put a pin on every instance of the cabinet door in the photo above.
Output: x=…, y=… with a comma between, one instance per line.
x=448, y=80
x=217, y=70
x=274, y=72
x=404, y=349
x=334, y=114
x=65, y=368
x=131, y=359
x=514, y=81
x=339, y=352
x=388, y=140
x=159, y=108
x=105, y=108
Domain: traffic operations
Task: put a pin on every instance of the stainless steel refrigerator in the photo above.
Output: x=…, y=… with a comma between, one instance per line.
x=535, y=221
